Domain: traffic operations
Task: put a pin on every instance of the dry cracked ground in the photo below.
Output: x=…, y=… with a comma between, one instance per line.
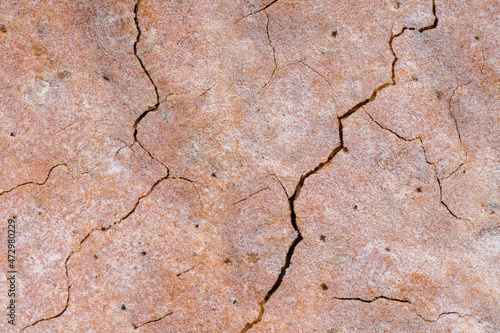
x=251, y=165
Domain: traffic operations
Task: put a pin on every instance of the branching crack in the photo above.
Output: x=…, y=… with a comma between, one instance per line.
x=103, y=229
x=335, y=151
x=257, y=11
x=433, y=164
x=34, y=183
x=291, y=199
x=273, y=176
x=152, y=321
x=400, y=301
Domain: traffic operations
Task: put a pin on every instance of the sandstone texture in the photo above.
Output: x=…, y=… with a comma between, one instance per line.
x=251, y=166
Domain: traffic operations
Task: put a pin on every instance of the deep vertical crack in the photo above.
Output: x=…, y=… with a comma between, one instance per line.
x=335, y=151
x=157, y=95
x=137, y=40
x=434, y=23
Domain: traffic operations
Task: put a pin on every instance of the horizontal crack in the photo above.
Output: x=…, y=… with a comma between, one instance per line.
x=34, y=183
x=442, y=314
x=400, y=301
x=372, y=300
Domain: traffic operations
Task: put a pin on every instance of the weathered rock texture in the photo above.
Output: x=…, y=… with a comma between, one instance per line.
x=260, y=166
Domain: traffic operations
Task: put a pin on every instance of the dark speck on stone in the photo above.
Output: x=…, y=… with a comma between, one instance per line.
x=124, y=307
x=143, y=253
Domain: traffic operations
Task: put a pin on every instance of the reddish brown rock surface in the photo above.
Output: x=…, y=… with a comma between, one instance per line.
x=232, y=166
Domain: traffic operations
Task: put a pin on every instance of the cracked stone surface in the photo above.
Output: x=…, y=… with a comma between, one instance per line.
x=251, y=166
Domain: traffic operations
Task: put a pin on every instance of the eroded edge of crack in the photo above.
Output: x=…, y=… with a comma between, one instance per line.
x=103, y=229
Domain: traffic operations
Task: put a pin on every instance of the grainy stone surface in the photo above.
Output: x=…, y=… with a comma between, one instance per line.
x=265, y=166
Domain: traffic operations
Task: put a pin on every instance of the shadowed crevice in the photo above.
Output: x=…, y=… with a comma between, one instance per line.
x=372, y=300
x=335, y=151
